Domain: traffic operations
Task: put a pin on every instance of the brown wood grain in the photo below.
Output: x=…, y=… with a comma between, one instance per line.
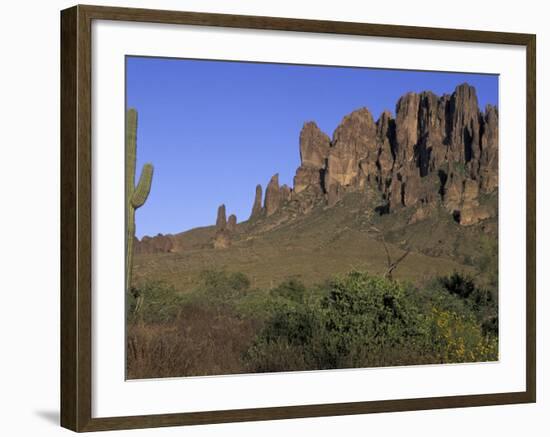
x=69, y=373
x=76, y=222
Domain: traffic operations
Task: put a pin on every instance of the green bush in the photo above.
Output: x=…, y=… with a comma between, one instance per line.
x=354, y=320
x=482, y=302
x=361, y=321
x=287, y=340
x=291, y=289
x=434, y=294
x=222, y=280
x=461, y=285
x=219, y=287
x=367, y=321
x=488, y=261
x=153, y=301
x=457, y=339
x=459, y=168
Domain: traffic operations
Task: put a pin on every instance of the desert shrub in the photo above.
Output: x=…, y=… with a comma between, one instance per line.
x=482, y=302
x=354, y=320
x=366, y=321
x=482, y=298
x=488, y=261
x=296, y=324
x=461, y=285
x=286, y=341
x=457, y=338
x=490, y=325
x=202, y=340
x=291, y=289
x=459, y=168
x=218, y=287
x=153, y=301
x=277, y=355
x=362, y=321
x=222, y=280
x=468, y=260
x=434, y=294
x=365, y=318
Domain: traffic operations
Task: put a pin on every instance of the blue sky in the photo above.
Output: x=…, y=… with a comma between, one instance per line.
x=215, y=129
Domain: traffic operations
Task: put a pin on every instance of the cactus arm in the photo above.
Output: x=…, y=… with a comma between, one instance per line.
x=143, y=187
x=131, y=141
x=135, y=196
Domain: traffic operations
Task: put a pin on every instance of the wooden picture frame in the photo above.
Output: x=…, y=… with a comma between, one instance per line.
x=76, y=217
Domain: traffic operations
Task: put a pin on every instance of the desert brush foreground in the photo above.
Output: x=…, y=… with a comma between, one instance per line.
x=383, y=253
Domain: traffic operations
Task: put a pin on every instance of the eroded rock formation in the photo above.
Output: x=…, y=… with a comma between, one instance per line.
x=222, y=237
x=272, y=196
x=158, y=244
x=437, y=153
x=257, y=209
x=437, y=150
x=232, y=223
x=221, y=220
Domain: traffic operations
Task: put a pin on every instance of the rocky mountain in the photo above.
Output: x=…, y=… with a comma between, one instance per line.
x=157, y=244
x=436, y=149
x=437, y=152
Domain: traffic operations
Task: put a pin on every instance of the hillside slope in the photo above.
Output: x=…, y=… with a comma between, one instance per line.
x=424, y=182
x=324, y=242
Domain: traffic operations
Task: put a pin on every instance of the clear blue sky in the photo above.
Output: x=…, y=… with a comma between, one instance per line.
x=215, y=129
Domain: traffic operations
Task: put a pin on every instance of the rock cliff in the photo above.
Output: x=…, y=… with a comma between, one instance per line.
x=436, y=150
x=157, y=244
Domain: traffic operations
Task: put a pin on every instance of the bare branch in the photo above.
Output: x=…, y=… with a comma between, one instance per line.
x=388, y=256
x=392, y=265
x=402, y=257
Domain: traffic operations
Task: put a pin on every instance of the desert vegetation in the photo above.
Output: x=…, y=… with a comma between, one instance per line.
x=383, y=252
x=225, y=326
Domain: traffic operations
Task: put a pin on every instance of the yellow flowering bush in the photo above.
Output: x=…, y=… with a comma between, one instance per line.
x=459, y=339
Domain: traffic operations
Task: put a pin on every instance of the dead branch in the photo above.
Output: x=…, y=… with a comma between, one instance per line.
x=392, y=265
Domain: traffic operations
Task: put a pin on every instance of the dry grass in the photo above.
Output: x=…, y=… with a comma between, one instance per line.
x=201, y=341
x=316, y=246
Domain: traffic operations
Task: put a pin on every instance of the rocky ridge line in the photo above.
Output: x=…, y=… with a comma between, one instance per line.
x=437, y=150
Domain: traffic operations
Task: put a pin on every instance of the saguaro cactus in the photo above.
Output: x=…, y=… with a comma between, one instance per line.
x=136, y=195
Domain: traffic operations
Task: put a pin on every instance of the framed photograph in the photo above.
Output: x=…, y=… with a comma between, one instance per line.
x=268, y=218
